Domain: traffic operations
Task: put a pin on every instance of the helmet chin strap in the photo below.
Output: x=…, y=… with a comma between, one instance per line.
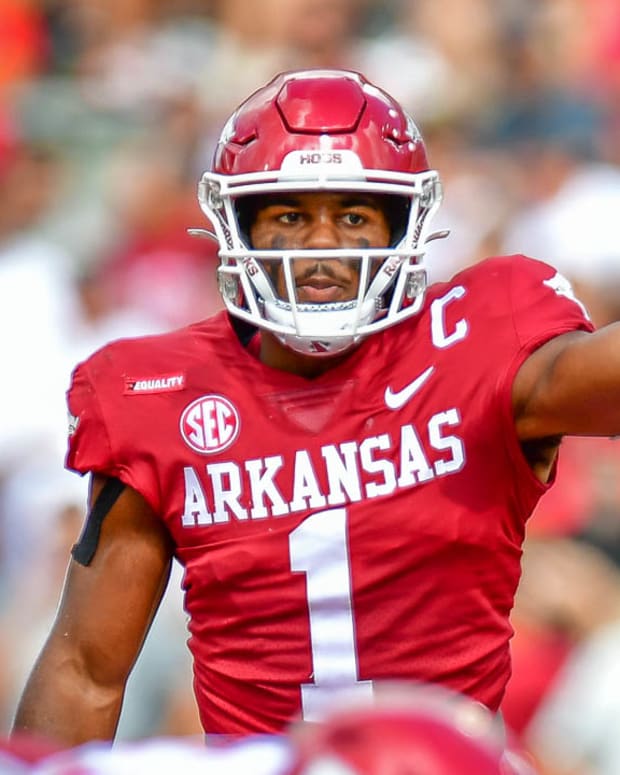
x=330, y=327
x=318, y=348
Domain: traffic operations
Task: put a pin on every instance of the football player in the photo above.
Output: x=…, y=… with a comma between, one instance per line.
x=344, y=460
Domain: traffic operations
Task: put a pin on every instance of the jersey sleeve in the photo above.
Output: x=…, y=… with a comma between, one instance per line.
x=89, y=445
x=543, y=303
x=541, y=306
x=104, y=432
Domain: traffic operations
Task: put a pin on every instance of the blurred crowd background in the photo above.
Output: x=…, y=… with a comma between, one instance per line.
x=109, y=110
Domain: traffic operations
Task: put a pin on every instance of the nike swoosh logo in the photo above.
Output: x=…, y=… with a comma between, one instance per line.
x=400, y=398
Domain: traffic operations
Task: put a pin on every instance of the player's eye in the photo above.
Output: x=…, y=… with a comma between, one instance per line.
x=289, y=217
x=353, y=219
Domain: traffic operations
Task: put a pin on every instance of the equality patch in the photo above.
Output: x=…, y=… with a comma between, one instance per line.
x=164, y=383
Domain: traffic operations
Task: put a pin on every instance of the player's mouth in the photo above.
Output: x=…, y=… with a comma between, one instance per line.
x=324, y=285
x=320, y=289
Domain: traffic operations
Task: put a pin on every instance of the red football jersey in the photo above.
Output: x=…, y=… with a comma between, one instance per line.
x=363, y=525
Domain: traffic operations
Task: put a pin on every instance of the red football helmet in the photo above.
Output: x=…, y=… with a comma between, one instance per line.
x=321, y=130
x=419, y=731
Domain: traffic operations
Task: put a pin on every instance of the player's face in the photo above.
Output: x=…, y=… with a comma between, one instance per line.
x=316, y=221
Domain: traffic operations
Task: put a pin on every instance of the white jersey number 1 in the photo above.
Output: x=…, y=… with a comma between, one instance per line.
x=319, y=548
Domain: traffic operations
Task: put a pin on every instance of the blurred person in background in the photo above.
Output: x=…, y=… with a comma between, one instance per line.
x=584, y=505
x=137, y=57
x=452, y=68
x=574, y=588
x=555, y=120
x=154, y=267
x=62, y=136
x=38, y=306
x=159, y=700
x=42, y=515
x=121, y=74
x=566, y=213
x=252, y=41
x=444, y=62
x=52, y=316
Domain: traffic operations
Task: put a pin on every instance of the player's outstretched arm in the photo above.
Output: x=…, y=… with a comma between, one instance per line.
x=570, y=386
x=75, y=690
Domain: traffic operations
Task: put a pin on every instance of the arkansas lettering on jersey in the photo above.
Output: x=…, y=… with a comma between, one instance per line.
x=365, y=525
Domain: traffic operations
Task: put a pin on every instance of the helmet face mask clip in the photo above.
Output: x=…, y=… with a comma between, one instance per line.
x=310, y=132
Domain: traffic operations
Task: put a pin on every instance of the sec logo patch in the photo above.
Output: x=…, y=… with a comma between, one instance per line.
x=209, y=424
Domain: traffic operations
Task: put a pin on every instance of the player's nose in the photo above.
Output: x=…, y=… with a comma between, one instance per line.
x=322, y=234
